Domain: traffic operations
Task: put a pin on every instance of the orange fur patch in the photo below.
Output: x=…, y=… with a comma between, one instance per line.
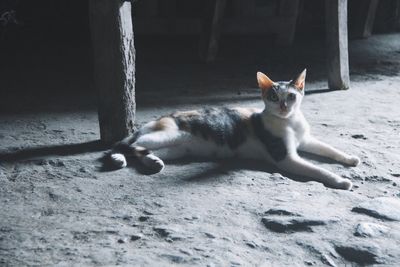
x=165, y=123
x=186, y=116
x=264, y=82
x=246, y=113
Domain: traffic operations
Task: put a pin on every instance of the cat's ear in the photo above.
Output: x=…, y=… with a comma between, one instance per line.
x=264, y=82
x=300, y=80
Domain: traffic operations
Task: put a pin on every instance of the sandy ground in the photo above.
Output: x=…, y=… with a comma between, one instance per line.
x=59, y=208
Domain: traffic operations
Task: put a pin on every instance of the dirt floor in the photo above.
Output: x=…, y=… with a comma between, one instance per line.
x=60, y=208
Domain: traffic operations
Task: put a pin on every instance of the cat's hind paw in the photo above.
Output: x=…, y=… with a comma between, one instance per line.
x=118, y=160
x=353, y=161
x=154, y=163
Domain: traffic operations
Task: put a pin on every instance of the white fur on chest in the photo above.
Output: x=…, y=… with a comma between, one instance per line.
x=292, y=130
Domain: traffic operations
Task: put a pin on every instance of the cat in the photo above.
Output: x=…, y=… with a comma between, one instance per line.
x=274, y=134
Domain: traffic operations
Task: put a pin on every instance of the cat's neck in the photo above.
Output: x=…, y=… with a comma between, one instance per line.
x=267, y=115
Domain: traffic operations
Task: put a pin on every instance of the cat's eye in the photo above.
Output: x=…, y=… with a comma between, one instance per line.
x=274, y=97
x=291, y=96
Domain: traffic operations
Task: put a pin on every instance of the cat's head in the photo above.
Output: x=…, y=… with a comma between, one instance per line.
x=282, y=99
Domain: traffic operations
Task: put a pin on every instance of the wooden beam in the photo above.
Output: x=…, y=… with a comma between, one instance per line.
x=147, y=25
x=365, y=17
x=169, y=12
x=337, y=44
x=397, y=15
x=114, y=67
x=149, y=8
x=244, y=8
x=256, y=25
x=209, y=39
x=288, y=9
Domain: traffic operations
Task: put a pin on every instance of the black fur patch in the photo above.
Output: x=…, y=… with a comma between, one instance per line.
x=221, y=125
x=274, y=145
x=273, y=93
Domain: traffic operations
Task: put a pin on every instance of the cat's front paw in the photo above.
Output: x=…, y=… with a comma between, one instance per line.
x=353, y=161
x=344, y=184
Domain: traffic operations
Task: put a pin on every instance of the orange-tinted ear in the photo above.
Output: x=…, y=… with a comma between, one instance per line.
x=264, y=82
x=300, y=80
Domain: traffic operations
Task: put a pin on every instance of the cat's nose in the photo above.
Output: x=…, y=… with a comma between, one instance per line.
x=283, y=105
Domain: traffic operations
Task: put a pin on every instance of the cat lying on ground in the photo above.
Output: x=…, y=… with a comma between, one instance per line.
x=274, y=134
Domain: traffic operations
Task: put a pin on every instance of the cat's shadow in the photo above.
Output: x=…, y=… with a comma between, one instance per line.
x=222, y=167
x=217, y=167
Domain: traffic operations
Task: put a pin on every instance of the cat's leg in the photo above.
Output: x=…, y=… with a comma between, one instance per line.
x=171, y=153
x=296, y=165
x=166, y=140
x=160, y=139
x=314, y=146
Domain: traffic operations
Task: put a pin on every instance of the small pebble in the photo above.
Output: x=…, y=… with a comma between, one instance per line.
x=209, y=235
x=126, y=217
x=148, y=212
x=143, y=218
x=186, y=252
x=359, y=136
x=135, y=237
x=251, y=244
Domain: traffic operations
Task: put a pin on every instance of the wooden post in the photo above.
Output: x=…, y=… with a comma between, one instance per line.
x=365, y=17
x=149, y=8
x=114, y=67
x=212, y=31
x=337, y=44
x=397, y=15
x=288, y=9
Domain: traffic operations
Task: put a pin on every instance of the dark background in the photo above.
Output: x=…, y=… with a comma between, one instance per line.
x=45, y=53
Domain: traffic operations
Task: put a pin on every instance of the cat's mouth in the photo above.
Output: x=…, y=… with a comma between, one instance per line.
x=283, y=108
x=283, y=113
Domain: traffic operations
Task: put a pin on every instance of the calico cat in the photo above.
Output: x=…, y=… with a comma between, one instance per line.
x=274, y=134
